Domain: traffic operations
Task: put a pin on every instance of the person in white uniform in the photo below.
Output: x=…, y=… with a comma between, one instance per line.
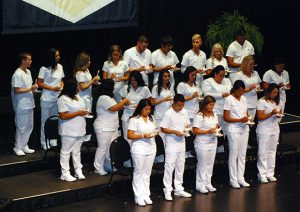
x=279, y=76
x=196, y=58
x=218, y=87
x=173, y=124
x=138, y=58
x=191, y=91
x=205, y=127
x=23, y=104
x=72, y=128
x=117, y=69
x=50, y=79
x=236, y=52
x=106, y=124
x=236, y=116
x=141, y=130
x=216, y=58
x=252, y=82
x=164, y=59
x=134, y=91
x=268, y=111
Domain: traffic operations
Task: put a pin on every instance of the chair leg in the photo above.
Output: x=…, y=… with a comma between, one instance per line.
x=45, y=155
x=109, y=183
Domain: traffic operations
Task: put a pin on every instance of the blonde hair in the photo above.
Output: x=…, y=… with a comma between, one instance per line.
x=216, y=47
x=196, y=36
x=245, y=62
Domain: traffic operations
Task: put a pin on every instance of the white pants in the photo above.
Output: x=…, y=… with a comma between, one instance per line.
x=252, y=112
x=125, y=128
x=70, y=146
x=205, y=164
x=48, y=108
x=141, y=175
x=267, y=146
x=102, y=156
x=24, y=127
x=174, y=160
x=237, y=155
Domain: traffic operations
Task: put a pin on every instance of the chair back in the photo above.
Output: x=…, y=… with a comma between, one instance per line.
x=119, y=152
x=51, y=128
x=160, y=148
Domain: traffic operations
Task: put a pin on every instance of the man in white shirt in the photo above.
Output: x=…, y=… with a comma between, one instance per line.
x=138, y=58
x=23, y=104
x=173, y=124
x=236, y=51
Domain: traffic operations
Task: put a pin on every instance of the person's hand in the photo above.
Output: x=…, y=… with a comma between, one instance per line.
x=274, y=111
x=96, y=78
x=113, y=76
x=57, y=88
x=179, y=134
x=126, y=101
x=83, y=112
x=288, y=86
x=142, y=68
x=252, y=86
x=196, y=94
x=148, y=135
x=244, y=119
x=212, y=130
x=168, y=98
x=280, y=85
x=34, y=87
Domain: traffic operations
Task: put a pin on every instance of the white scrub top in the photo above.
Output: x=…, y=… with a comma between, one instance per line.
x=161, y=108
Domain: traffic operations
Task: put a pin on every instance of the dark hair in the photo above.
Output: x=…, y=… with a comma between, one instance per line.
x=106, y=88
x=23, y=56
x=70, y=88
x=188, y=70
x=216, y=70
x=142, y=39
x=81, y=62
x=160, y=81
x=138, y=78
x=51, y=58
x=143, y=103
x=207, y=99
x=269, y=89
x=241, y=32
x=166, y=40
x=112, y=49
x=237, y=85
x=178, y=98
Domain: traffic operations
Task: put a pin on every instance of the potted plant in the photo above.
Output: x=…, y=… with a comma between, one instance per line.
x=223, y=31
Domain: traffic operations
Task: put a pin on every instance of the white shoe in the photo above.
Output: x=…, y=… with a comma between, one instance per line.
x=79, y=175
x=263, y=180
x=68, y=178
x=140, y=202
x=202, y=190
x=272, y=179
x=100, y=172
x=27, y=150
x=235, y=185
x=182, y=194
x=148, y=201
x=168, y=196
x=18, y=152
x=210, y=188
x=244, y=184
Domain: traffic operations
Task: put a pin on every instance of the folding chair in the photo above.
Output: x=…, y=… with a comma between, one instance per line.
x=283, y=148
x=119, y=153
x=51, y=132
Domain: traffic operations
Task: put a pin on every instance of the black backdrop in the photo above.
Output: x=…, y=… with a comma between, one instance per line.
x=181, y=19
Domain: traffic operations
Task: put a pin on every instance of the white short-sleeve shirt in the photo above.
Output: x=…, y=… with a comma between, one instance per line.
x=192, y=106
x=175, y=121
x=85, y=76
x=106, y=120
x=159, y=59
x=144, y=146
x=74, y=127
x=251, y=96
x=161, y=108
x=272, y=77
x=269, y=126
x=213, y=62
x=134, y=59
x=119, y=70
x=22, y=101
x=238, y=109
x=134, y=97
x=238, y=52
x=214, y=89
x=52, y=78
x=205, y=141
x=190, y=58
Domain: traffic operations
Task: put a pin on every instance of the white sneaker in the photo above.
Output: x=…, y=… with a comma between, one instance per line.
x=235, y=185
x=148, y=201
x=244, y=184
x=263, y=180
x=100, y=172
x=202, y=190
x=140, y=202
x=210, y=188
x=27, y=150
x=182, y=194
x=272, y=179
x=168, y=196
x=68, y=178
x=18, y=152
x=79, y=175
